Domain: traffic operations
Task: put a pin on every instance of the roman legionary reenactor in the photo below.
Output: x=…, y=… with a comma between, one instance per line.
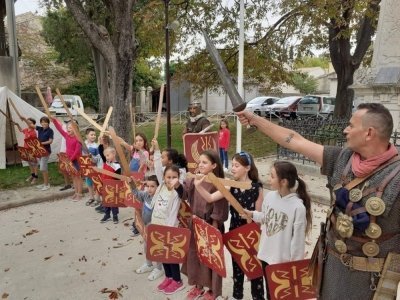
x=197, y=121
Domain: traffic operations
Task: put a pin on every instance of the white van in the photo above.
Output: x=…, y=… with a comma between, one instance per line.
x=57, y=107
x=316, y=105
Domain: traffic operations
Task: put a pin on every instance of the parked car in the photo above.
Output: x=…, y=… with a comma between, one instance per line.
x=316, y=105
x=57, y=107
x=284, y=107
x=259, y=105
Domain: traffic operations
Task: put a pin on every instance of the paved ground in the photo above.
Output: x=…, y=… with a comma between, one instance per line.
x=59, y=250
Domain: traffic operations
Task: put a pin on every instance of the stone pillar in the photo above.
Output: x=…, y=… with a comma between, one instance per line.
x=149, y=99
x=381, y=82
x=142, y=96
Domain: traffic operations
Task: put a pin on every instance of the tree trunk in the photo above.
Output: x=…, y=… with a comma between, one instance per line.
x=344, y=94
x=100, y=68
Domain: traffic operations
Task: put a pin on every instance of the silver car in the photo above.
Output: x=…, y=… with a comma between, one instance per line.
x=260, y=104
x=316, y=105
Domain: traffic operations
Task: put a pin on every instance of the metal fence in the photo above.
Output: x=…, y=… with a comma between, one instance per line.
x=320, y=131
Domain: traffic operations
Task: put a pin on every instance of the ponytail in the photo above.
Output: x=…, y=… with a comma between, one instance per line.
x=303, y=195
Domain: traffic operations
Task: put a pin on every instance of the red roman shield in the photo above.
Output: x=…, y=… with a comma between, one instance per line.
x=132, y=201
x=97, y=183
x=242, y=243
x=65, y=165
x=26, y=154
x=184, y=214
x=209, y=244
x=36, y=147
x=195, y=143
x=140, y=224
x=290, y=280
x=85, y=165
x=114, y=193
x=167, y=244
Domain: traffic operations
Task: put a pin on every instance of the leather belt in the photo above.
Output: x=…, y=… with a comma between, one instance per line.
x=359, y=263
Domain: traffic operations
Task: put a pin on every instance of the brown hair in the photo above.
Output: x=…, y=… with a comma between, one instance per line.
x=287, y=170
x=146, y=145
x=214, y=158
x=245, y=159
x=379, y=117
x=225, y=121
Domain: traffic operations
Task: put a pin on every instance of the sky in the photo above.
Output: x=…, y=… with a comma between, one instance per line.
x=23, y=6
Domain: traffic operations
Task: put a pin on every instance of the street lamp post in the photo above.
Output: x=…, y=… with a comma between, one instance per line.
x=167, y=75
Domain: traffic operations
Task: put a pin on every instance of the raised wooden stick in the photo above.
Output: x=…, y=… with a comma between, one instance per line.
x=228, y=196
x=46, y=108
x=158, y=120
x=15, y=108
x=224, y=182
x=124, y=163
x=89, y=119
x=111, y=174
x=106, y=120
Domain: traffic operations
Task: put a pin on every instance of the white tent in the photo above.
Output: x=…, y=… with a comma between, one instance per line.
x=9, y=135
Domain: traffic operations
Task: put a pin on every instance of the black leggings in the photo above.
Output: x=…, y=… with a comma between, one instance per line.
x=257, y=288
x=172, y=271
x=264, y=264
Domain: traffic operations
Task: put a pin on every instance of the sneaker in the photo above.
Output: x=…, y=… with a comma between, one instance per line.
x=90, y=201
x=194, y=293
x=40, y=186
x=115, y=220
x=45, y=187
x=144, y=269
x=105, y=219
x=173, y=287
x=208, y=296
x=135, y=231
x=68, y=186
x=95, y=203
x=155, y=274
x=100, y=209
x=164, y=284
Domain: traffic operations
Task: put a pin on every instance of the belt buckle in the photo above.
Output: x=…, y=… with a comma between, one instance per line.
x=347, y=260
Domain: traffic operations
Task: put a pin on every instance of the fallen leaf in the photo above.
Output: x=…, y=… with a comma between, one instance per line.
x=83, y=273
x=32, y=232
x=4, y=296
x=114, y=239
x=95, y=240
x=30, y=250
x=140, y=253
x=61, y=241
x=103, y=264
x=6, y=270
x=129, y=258
x=60, y=254
x=48, y=257
x=17, y=244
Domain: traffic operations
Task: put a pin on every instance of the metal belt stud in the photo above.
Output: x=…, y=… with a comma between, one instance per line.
x=373, y=231
x=375, y=206
x=344, y=225
x=355, y=195
x=340, y=246
x=370, y=249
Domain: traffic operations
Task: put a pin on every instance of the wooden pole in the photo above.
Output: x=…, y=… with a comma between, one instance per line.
x=120, y=151
x=158, y=120
x=223, y=181
x=89, y=119
x=106, y=120
x=46, y=108
x=15, y=108
x=111, y=174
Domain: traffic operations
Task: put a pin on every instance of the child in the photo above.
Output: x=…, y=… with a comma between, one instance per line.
x=45, y=137
x=166, y=203
x=73, y=151
x=244, y=170
x=30, y=132
x=146, y=197
x=63, y=148
x=168, y=157
x=215, y=214
x=104, y=143
x=285, y=217
x=113, y=166
x=96, y=159
x=140, y=155
x=223, y=141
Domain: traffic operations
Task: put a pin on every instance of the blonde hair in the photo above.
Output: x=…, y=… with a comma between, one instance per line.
x=110, y=149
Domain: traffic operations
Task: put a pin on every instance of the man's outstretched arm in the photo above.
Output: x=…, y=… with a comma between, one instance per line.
x=283, y=136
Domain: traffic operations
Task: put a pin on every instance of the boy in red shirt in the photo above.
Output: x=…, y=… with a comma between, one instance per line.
x=113, y=166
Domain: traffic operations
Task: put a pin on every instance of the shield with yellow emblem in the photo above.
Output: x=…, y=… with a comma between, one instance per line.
x=65, y=165
x=97, y=182
x=290, y=280
x=167, y=244
x=209, y=245
x=132, y=201
x=26, y=154
x=242, y=243
x=184, y=214
x=114, y=193
x=36, y=147
x=195, y=143
x=85, y=165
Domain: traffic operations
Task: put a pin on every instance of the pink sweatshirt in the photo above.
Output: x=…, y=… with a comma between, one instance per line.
x=224, y=138
x=74, y=147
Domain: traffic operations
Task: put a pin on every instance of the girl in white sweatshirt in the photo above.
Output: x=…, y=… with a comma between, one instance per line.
x=285, y=217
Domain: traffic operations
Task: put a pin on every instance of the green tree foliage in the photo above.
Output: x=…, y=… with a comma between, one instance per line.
x=304, y=83
x=312, y=61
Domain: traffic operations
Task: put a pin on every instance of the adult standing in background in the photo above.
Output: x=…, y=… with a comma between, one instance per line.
x=197, y=120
